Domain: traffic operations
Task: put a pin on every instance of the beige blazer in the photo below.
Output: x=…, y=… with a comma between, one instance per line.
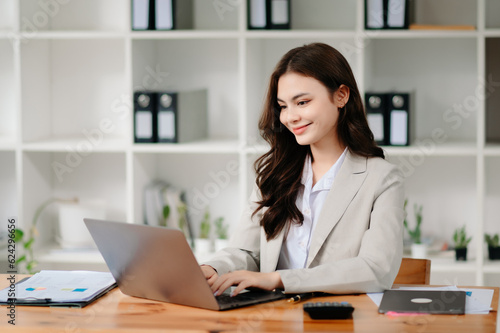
x=356, y=246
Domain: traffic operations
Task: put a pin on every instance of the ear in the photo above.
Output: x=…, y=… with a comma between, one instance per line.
x=341, y=96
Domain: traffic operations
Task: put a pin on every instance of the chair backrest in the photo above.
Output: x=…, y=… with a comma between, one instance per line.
x=414, y=271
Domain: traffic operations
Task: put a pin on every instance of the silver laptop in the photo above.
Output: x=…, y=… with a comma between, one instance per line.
x=157, y=263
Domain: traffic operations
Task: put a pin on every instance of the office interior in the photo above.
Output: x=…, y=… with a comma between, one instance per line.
x=69, y=71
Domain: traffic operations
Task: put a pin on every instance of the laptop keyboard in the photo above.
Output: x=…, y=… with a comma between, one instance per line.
x=226, y=299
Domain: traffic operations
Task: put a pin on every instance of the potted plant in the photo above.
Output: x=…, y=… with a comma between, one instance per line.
x=418, y=249
x=221, y=233
x=203, y=243
x=493, y=246
x=461, y=241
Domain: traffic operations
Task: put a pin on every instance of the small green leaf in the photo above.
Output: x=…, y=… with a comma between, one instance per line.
x=21, y=259
x=28, y=244
x=166, y=212
x=18, y=235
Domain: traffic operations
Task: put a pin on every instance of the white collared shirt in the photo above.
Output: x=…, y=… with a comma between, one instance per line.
x=295, y=248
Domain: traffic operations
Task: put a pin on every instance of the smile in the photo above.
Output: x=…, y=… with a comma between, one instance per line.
x=300, y=130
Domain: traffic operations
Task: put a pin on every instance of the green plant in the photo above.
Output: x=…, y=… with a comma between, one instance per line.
x=27, y=240
x=220, y=228
x=492, y=241
x=205, y=225
x=460, y=238
x=415, y=234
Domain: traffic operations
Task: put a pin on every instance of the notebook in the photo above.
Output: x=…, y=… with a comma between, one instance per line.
x=157, y=263
x=423, y=301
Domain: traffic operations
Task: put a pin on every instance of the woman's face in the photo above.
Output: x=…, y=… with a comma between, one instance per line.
x=308, y=109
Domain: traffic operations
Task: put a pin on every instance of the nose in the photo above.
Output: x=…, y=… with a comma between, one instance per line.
x=292, y=115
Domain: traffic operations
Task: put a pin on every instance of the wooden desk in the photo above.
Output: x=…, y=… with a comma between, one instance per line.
x=117, y=312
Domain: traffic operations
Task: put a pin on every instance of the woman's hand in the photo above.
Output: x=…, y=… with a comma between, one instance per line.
x=246, y=279
x=210, y=274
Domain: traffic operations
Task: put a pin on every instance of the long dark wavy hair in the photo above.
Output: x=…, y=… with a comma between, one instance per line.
x=279, y=170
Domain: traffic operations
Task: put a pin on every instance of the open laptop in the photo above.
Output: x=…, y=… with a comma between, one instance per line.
x=423, y=301
x=157, y=263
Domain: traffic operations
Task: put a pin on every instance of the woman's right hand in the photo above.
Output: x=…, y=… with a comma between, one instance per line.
x=210, y=274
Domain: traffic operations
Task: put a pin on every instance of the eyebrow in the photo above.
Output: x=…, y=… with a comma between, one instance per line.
x=294, y=97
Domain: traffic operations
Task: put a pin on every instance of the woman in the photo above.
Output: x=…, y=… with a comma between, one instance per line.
x=327, y=211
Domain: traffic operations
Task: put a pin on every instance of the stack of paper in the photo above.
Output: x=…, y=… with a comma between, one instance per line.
x=59, y=288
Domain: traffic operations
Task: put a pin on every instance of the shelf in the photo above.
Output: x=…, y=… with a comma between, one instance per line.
x=419, y=34
x=71, y=35
x=492, y=32
x=97, y=142
x=451, y=265
x=200, y=147
x=184, y=34
x=491, y=266
x=294, y=34
x=492, y=149
x=7, y=143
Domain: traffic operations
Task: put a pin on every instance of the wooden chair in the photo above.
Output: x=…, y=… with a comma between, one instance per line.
x=414, y=271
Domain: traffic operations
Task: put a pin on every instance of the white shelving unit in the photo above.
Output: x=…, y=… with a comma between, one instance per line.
x=68, y=72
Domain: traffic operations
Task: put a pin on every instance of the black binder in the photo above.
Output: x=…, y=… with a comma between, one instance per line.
x=268, y=14
x=387, y=14
x=376, y=113
x=167, y=117
x=278, y=14
x=142, y=15
x=397, y=16
x=399, y=119
x=257, y=14
x=145, y=127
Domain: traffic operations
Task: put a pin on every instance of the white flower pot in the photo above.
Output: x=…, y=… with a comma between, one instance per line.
x=419, y=251
x=220, y=244
x=203, y=246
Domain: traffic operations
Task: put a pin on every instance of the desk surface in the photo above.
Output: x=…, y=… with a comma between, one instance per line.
x=118, y=312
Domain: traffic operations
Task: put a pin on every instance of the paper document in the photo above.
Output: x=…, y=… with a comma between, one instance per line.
x=59, y=287
x=477, y=301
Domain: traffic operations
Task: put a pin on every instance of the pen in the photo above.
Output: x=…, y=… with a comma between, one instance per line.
x=300, y=297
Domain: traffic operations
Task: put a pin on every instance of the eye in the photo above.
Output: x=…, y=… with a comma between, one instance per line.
x=302, y=103
x=281, y=107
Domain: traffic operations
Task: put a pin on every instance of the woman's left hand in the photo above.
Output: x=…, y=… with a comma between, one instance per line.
x=246, y=279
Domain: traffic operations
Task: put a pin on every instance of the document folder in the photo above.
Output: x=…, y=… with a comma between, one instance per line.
x=257, y=14
x=142, y=15
x=399, y=119
x=268, y=14
x=58, y=288
x=279, y=14
x=145, y=116
x=376, y=113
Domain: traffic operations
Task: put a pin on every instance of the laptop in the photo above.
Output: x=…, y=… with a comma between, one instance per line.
x=423, y=301
x=157, y=263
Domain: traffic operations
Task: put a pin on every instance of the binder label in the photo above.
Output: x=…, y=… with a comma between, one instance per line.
x=164, y=15
x=376, y=123
x=143, y=125
x=396, y=13
x=279, y=12
x=375, y=14
x=166, y=125
x=258, y=13
x=399, y=127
